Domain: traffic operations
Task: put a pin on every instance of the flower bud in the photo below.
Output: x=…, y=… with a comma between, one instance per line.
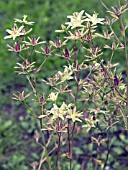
x=66, y=53
x=86, y=115
x=17, y=47
x=116, y=81
x=41, y=99
x=33, y=42
x=47, y=50
x=58, y=42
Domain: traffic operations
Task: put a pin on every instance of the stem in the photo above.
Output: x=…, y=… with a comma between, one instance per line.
x=58, y=150
x=122, y=29
x=72, y=146
x=69, y=147
x=45, y=147
x=108, y=151
x=43, y=138
x=31, y=112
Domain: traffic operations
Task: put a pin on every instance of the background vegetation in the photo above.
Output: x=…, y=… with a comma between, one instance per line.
x=18, y=148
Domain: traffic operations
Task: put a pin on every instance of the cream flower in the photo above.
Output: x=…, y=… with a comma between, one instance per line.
x=90, y=123
x=94, y=19
x=24, y=21
x=16, y=32
x=76, y=20
x=74, y=115
x=66, y=75
x=53, y=96
x=56, y=112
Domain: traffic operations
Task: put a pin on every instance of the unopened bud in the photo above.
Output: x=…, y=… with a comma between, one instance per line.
x=86, y=115
x=42, y=99
x=17, y=47
x=116, y=81
x=66, y=53
x=115, y=111
x=47, y=50
x=33, y=42
x=58, y=42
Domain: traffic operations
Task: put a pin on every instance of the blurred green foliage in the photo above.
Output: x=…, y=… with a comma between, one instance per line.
x=17, y=146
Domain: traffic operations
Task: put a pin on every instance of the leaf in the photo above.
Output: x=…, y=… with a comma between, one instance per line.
x=6, y=125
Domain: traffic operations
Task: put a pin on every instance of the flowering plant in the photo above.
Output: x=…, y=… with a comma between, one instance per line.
x=88, y=92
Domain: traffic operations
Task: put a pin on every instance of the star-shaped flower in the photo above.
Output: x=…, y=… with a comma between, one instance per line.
x=53, y=96
x=74, y=115
x=21, y=96
x=76, y=20
x=94, y=19
x=24, y=21
x=16, y=32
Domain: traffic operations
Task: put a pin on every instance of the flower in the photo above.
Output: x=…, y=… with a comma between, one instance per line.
x=105, y=35
x=90, y=122
x=57, y=112
x=94, y=19
x=24, y=21
x=45, y=50
x=76, y=20
x=17, y=47
x=16, y=32
x=66, y=53
x=33, y=42
x=64, y=29
x=53, y=96
x=73, y=115
x=26, y=67
x=21, y=96
x=66, y=75
x=78, y=34
x=58, y=43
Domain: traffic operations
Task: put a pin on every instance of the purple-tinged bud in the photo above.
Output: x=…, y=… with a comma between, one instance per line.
x=102, y=67
x=86, y=115
x=58, y=127
x=25, y=64
x=116, y=81
x=103, y=70
x=75, y=50
x=115, y=111
x=66, y=53
x=89, y=38
x=58, y=42
x=17, y=47
x=41, y=99
x=108, y=22
x=93, y=49
x=47, y=50
x=106, y=102
x=93, y=116
x=109, y=122
x=33, y=42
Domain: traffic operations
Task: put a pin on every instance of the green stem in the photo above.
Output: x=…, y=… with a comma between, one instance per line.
x=108, y=151
x=72, y=146
x=31, y=112
x=45, y=147
x=58, y=149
